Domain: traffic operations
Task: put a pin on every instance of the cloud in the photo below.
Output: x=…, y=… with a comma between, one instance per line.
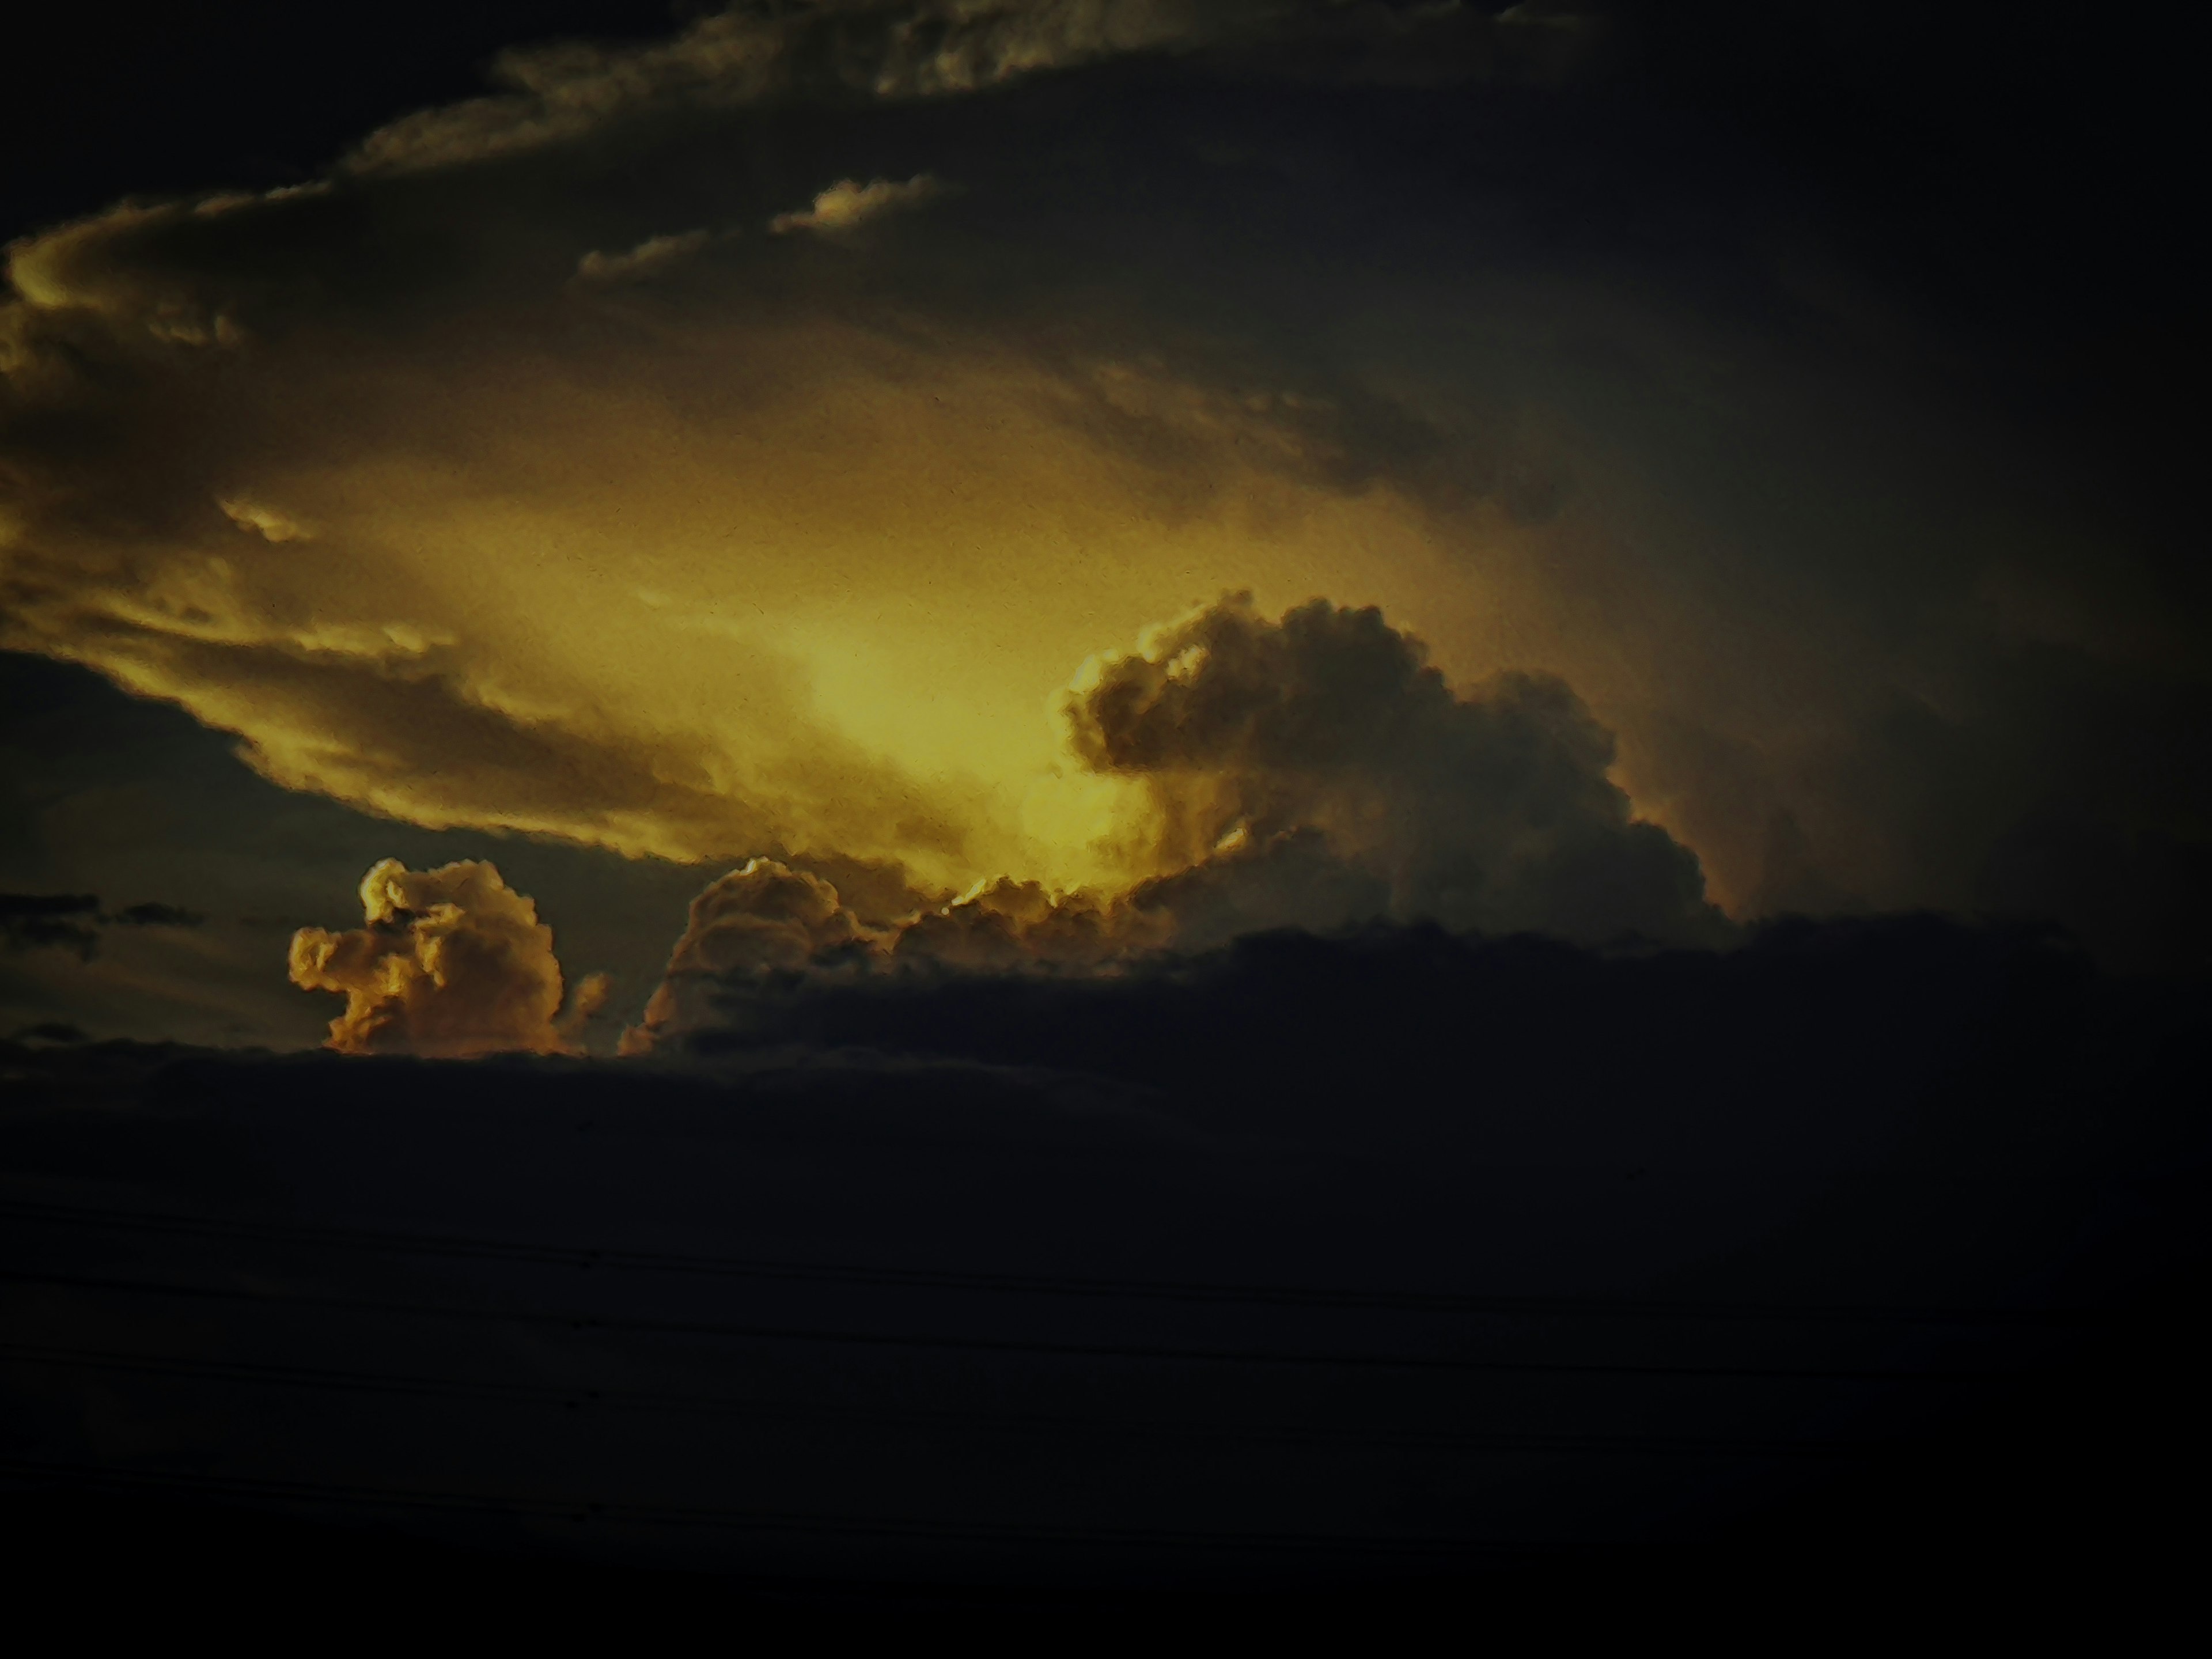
x=68, y=920
x=845, y=206
x=648, y=259
x=451, y=963
x=152, y=913
x=1005, y=925
x=755, y=921
x=765, y=923
x=1327, y=737
x=1312, y=773
x=36, y=921
x=51, y=1030
x=101, y=792
x=748, y=54
x=269, y=523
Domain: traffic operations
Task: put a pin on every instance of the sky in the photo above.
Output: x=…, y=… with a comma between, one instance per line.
x=702, y=439
x=934, y=547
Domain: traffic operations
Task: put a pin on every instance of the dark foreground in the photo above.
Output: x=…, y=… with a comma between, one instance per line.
x=2075, y=1505
x=1857, y=1276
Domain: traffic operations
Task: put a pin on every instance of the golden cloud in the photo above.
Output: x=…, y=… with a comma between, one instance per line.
x=451, y=963
x=847, y=205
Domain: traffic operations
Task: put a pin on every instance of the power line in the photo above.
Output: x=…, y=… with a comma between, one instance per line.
x=588, y=1258
x=570, y=1397
x=603, y=1511
x=577, y=1322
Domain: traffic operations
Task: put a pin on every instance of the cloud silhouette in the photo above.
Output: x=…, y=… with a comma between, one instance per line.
x=69, y=920
x=35, y=920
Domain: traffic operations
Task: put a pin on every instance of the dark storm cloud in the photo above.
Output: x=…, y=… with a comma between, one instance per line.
x=152, y=913
x=28, y=920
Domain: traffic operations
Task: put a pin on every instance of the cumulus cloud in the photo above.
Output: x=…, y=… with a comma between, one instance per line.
x=847, y=205
x=766, y=923
x=1326, y=735
x=451, y=963
x=1006, y=924
x=760, y=918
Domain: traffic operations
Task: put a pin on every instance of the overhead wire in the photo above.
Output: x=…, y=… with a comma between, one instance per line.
x=581, y=1321
x=574, y=1396
x=606, y=1511
x=633, y=1260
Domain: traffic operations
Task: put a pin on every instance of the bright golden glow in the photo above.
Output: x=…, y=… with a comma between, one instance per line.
x=830, y=613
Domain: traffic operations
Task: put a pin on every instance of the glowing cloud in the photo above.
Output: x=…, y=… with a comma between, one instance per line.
x=451, y=963
x=269, y=523
x=1309, y=772
x=846, y=205
x=648, y=259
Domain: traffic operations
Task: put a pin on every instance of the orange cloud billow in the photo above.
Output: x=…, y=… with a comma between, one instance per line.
x=451, y=963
